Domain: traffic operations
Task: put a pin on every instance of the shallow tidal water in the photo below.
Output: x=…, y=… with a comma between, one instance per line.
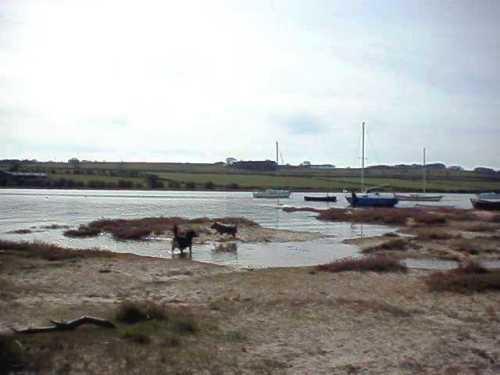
x=34, y=209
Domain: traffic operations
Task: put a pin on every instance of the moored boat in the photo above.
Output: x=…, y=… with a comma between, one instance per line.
x=488, y=196
x=486, y=204
x=415, y=197
x=325, y=198
x=272, y=193
x=369, y=199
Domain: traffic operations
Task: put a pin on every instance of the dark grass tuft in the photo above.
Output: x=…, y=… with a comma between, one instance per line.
x=11, y=359
x=137, y=337
x=434, y=234
x=82, y=231
x=134, y=312
x=50, y=251
x=55, y=226
x=468, y=278
x=480, y=227
x=20, y=231
x=185, y=325
x=377, y=263
x=393, y=244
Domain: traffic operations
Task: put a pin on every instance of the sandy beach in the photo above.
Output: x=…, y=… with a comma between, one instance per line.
x=269, y=321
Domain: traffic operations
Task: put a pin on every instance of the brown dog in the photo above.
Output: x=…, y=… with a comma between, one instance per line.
x=183, y=240
x=223, y=228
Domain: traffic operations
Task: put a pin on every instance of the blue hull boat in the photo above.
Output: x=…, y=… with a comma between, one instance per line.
x=371, y=201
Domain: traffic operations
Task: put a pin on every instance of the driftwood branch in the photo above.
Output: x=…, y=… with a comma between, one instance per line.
x=67, y=325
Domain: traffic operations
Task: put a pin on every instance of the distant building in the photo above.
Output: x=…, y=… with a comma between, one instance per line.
x=231, y=161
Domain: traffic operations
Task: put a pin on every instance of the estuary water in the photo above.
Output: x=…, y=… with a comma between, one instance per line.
x=36, y=209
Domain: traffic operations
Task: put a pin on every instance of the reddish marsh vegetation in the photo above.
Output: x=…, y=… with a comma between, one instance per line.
x=377, y=263
x=388, y=216
x=139, y=229
x=468, y=278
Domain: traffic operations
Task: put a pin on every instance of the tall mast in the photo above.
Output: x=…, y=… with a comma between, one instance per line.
x=363, y=158
x=424, y=173
x=277, y=162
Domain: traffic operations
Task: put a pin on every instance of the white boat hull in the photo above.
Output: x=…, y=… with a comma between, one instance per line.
x=418, y=197
x=272, y=194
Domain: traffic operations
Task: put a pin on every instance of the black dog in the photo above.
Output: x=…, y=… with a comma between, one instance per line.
x=184, y=240
x=223, y=228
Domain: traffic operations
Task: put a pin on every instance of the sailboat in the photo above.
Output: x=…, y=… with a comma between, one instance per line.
x=273, y=193
x=420, y=197
x=323, y=198
x=369, y=199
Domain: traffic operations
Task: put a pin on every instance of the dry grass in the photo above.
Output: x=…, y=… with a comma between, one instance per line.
x=377, y=263
x=177, y=344
x=362, y=306
x=468, y=278
x=51, y=252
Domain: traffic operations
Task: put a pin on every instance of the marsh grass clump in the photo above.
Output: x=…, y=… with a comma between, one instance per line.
x=21, y=231
x=146, y=322
x=480, y=227
x=494, y=218
x=434, y=234
x=393, y=244
x=55, y=226
x=134, y=312
x=477, y=245
x=82, y=232
x=388, y=216
x=375, y=263
x=140, y=229
x=51, y=252
x=468, y=278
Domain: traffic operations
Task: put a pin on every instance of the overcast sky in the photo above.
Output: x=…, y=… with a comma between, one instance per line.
x=204, y=80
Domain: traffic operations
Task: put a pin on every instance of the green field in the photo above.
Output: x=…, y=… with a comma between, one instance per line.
x=185, y=176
